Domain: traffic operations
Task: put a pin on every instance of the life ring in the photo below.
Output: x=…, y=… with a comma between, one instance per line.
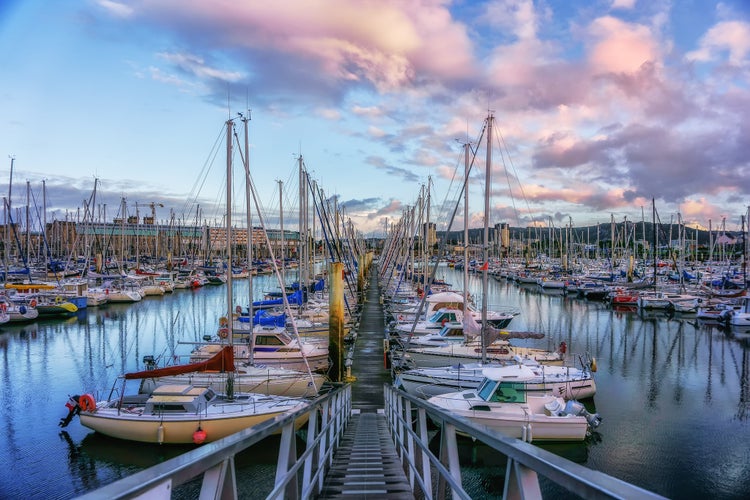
x=223, y=321
x=87, y=402
x=58, y=300
x=223, y=332
x=32, y=303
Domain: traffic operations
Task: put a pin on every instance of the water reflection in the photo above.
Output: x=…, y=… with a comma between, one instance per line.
x=672, y=390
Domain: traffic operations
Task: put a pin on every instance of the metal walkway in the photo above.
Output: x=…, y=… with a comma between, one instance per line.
x=366, y=463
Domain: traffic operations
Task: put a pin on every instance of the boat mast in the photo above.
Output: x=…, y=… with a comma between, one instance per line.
x=281, y=230
x=249, y=216
x=485, y=239
x=230, y=306
x=653, y=236
x=466, y=228
x=8, y=215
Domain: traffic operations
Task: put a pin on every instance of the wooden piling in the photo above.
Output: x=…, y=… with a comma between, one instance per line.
x=336, y=320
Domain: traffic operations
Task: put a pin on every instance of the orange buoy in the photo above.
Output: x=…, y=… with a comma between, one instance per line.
x=199, y=436
x=87, y=402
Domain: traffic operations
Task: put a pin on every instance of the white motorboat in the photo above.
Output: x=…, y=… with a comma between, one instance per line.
x=453, y=301
x=738, y=316
x=502, y=404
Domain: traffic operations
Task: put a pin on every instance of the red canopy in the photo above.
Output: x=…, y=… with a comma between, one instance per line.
x=222, y=361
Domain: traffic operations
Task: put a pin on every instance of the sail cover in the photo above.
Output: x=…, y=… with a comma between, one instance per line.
x=222, y=361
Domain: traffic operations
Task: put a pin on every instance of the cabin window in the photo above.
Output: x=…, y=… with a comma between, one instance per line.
x=455, y=332
x=268, y=340
x=168, y=408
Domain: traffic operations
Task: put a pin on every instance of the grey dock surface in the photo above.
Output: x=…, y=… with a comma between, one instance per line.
x=366, y=464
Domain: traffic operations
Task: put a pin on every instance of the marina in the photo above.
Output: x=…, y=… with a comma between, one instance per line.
x=672, y=392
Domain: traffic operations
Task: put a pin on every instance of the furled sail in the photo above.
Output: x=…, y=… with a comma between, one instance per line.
x=222, y=361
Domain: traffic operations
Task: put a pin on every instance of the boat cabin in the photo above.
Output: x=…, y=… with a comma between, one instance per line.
x=178, y=398
x=444, y=316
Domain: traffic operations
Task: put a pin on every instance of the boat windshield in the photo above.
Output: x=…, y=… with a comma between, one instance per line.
x=486, y=388
x=503, y=392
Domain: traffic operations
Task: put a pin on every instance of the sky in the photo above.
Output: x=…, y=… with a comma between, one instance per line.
x=599, y=107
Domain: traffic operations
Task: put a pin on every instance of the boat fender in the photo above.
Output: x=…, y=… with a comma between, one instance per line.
x=199, y=436
x=3, y=306
x=592, y=365
x=563, y=347
x=87, y=402
x=160, y=434
x=223, y=321
x=32, y=303
x=22, y=309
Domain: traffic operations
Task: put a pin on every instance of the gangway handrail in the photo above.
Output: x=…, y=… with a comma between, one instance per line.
x=327, y=420
x=525, y=462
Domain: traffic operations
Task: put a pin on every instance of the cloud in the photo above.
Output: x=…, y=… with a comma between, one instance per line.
x=116, y=9
x=381, y=164
x=324, y=46
x=620, y=47
x=623, y=4
x=196, y=66
x=732, y=37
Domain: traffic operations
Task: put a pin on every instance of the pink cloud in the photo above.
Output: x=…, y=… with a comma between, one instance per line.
x=388, y=43
x=732, y=37
x=620, y=47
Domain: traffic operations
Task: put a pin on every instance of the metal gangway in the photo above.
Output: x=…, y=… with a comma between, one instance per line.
x=397, y=459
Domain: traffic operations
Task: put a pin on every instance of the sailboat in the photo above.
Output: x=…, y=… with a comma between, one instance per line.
x=179, y=413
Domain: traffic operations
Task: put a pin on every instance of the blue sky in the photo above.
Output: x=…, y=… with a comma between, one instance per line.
x=600, y=105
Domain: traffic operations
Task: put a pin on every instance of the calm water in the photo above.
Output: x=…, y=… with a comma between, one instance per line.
x=673, y=393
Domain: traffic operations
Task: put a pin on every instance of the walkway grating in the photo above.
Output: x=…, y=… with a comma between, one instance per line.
x=366, y=464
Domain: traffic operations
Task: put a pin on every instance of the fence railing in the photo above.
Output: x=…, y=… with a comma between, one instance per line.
x=296, y=477
x=433, y=476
